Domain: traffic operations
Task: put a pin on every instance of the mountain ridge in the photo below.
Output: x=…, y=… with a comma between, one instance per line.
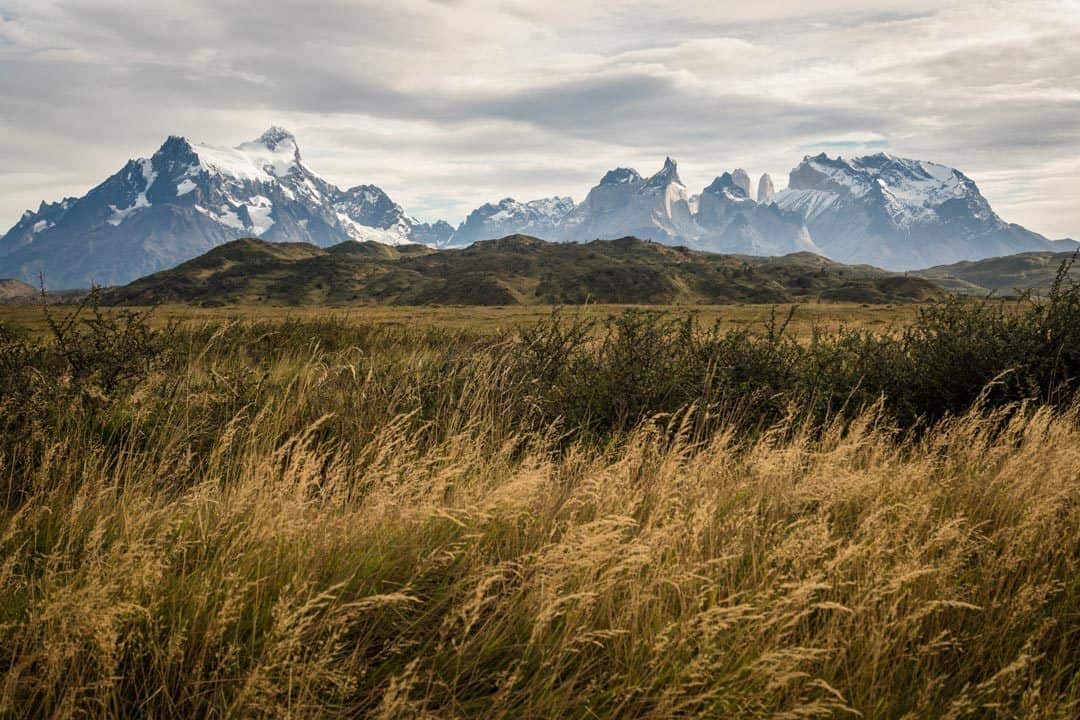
x=187, y=198
x=899, y=213
x=1004, y=276
x=514, y=270
x=878, y=209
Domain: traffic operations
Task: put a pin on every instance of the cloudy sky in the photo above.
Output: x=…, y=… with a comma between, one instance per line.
x=450, y=103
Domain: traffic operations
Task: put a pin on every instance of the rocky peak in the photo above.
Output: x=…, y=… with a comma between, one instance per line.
x=742, y=179
x=726, y=184
x=275, y=136
x=370, y=206
x=765, y=188
x=176, y=151
x=668, y=174
x=621, y=176
x=273, y=146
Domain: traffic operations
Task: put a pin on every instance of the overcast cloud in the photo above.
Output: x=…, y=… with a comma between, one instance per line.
x=447, y=104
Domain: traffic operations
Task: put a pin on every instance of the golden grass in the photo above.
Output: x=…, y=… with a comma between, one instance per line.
x=287, y=571
x=825, y=316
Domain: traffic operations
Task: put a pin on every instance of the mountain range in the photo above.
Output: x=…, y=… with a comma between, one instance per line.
x=187, y=198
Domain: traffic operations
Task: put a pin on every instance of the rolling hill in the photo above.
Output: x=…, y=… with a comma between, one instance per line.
x=515, y=270
x=1006, y=275
x=12, y=290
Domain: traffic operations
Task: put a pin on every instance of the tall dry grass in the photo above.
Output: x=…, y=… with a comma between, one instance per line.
x=313, y=533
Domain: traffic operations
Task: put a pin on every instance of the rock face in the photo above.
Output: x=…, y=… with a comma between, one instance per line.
x=882, y=210
x=742, y=179
x=624, y=203
x=731, y=222
x=722, y=218
x=185, y=199
x=765, y=189
x=541, y=218
x=899, y=213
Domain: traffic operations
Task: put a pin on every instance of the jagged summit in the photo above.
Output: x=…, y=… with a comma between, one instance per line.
x=765, y=189
x=541, y=217
x=279, y=142
x=899, y=213
x=620, y=176
x=667, y=175
x=188, y=198
x=742, y=179
x=727, y=183
x=276, y=135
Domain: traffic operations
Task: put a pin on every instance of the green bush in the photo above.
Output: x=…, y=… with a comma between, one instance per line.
x=958, y=352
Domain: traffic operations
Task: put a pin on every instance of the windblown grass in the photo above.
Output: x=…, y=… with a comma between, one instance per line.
x=301, y=520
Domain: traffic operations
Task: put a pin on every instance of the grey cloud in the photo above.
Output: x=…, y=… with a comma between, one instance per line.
x=448, y=103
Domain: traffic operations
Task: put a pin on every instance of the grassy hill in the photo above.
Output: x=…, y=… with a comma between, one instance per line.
x=1006, y=275
x=12, y=290
x=515, y=270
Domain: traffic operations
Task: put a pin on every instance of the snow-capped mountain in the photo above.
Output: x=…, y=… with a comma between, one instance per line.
x=624, y=203
x=882, y=210
x=541, y=218
x=730, y=221
x=899, y=213
x=187, y=198
x=722, y=218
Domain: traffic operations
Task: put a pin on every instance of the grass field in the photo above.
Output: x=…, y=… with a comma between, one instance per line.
x=485, y=513
x=828, y=316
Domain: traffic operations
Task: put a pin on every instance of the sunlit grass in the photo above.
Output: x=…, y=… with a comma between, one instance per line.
x=323, y=518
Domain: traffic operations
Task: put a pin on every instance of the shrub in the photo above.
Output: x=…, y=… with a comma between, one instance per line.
x=958, y=352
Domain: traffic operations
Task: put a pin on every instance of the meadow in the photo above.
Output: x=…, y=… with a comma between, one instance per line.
x=492, y=320
x=512, y=513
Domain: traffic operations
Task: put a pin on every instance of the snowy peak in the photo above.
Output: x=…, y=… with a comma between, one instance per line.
x=899, y=213
x=273, y=155
x=542, y=218
x=276, y=147
x=275, y=136
x=907, y=191
x=369, y=206
x=187, y=198
x=727, y=185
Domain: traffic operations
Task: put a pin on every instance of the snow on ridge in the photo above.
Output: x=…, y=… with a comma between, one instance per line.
x=273, y=156
x=911, y=189
x=397, y=234
x=232, y=163
x=260, y=209
x=149, y=175
x=808, y=203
